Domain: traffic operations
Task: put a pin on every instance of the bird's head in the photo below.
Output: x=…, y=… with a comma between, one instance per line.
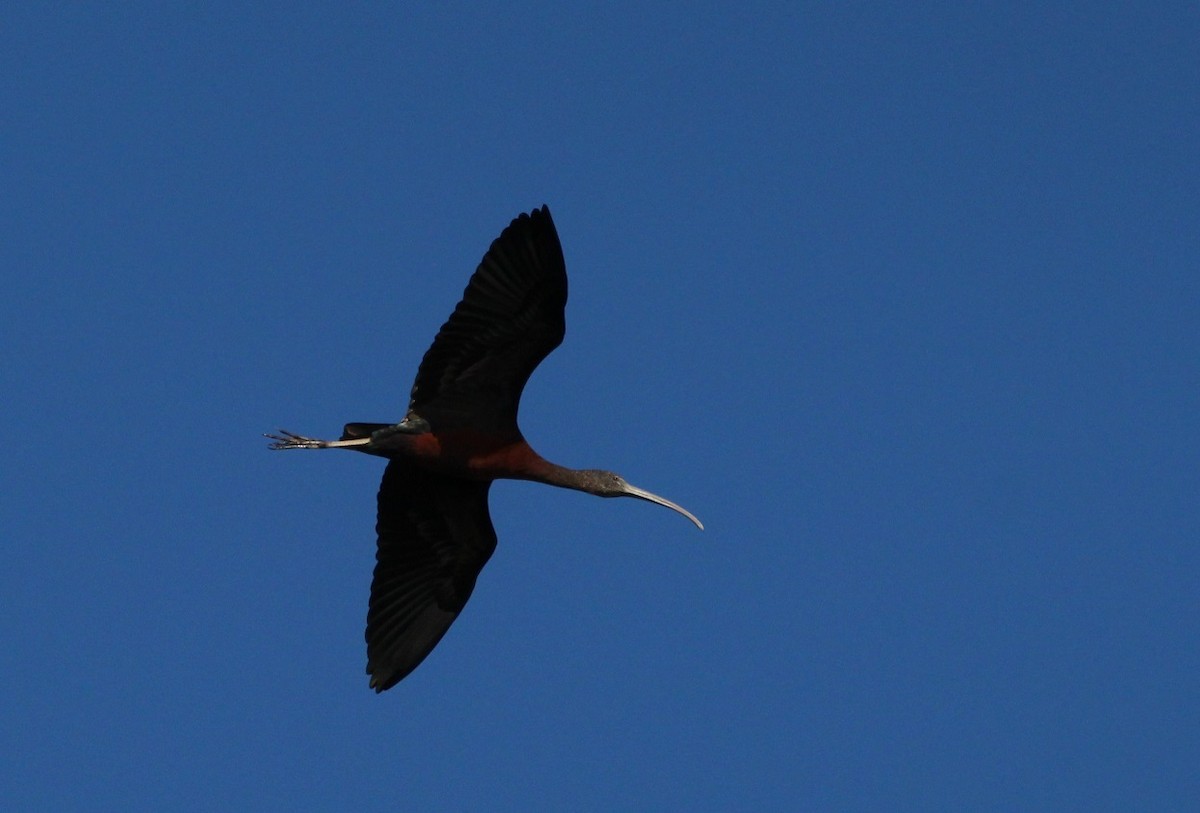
x=609, y=484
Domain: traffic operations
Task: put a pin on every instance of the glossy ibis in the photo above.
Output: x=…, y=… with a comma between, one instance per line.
x=459, y=435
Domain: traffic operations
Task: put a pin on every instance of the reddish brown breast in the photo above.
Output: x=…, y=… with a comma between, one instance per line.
x=467, y=453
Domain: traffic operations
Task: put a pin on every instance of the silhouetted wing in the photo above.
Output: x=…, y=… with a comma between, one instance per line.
x=509, y=319
x=435, y=536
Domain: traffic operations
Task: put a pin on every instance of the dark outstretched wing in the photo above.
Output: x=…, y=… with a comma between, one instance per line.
x=435, y=536
x=509, y=319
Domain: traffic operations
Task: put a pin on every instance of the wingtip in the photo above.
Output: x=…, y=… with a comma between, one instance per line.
x=377, y=682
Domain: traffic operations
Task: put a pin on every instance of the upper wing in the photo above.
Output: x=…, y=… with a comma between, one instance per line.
x=509, y=319
x=435, y=536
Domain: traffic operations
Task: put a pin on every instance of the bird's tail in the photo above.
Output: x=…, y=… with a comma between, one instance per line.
x=353, y=431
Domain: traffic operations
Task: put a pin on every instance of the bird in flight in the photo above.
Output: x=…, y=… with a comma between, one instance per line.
x=460, y=434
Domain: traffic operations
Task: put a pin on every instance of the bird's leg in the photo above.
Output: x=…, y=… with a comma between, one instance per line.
x=412, y=425
x=290, y=440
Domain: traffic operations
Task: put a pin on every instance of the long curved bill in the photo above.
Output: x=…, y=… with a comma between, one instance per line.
x=643, y=494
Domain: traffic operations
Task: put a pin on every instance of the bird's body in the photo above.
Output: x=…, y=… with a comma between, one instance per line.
x=462, y=453
x=460, y=434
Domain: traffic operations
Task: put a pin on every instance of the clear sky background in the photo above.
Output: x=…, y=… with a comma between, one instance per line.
x=903, y=300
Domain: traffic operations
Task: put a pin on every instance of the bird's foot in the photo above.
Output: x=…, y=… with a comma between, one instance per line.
x=290, y=440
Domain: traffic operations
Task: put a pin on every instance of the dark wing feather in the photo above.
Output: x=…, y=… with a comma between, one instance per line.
x=435, y=535
x=509, y=319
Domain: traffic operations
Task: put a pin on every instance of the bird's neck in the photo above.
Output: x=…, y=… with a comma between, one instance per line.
x=537, y=468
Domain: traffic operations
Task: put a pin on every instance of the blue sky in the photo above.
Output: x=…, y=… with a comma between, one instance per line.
x=903, y=303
